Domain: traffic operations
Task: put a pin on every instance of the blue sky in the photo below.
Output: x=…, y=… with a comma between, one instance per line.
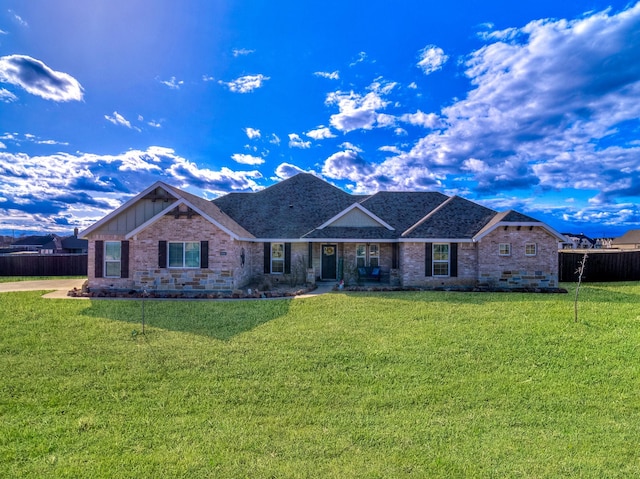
x=531, y=105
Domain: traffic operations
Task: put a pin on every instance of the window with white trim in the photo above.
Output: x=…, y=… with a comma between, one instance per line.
x=504, y=249
x=184, y=254
x=367, y=255
x=530, y=249
x=112, y=259
x=374, y=255
x=441, y=259
x=361, y=255
x=277, y=258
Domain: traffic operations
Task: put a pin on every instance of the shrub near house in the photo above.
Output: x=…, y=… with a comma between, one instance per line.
x=304, y=229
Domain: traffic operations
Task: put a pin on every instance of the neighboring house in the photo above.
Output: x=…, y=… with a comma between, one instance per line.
x=74, y=245
x=47, y=244
x=578, y=241
x=629, y=240
x=303, y=229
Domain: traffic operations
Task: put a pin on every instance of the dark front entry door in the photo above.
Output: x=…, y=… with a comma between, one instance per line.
x=329, y=261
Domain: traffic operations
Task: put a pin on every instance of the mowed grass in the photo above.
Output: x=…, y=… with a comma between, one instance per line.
x=356, y=385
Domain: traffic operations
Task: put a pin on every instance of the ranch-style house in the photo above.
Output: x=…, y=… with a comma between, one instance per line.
x=304, y=230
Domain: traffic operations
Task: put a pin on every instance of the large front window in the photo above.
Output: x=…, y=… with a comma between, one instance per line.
x=184, y=254
x=367, y=255
x=441, y=259
x=277, y=257
x=112, y=259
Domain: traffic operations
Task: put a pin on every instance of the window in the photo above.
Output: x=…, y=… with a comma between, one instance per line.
x=374, y=255
x=504, y=249
x=367, y=255
x=361, y=255
x=112, y=259
x=277, y=257
x=441, y=259
x=184, y=254
x=530, y=249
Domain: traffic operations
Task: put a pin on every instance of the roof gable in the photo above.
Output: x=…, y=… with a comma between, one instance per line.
x=356, y=216
x=514, y=218
x=155, y=202
x=288, y=209
x=456, y=218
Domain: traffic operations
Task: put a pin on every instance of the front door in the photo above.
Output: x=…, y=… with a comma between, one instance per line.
x=329, y=261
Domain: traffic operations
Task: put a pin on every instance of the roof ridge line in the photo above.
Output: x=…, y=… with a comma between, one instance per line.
x=428, y=215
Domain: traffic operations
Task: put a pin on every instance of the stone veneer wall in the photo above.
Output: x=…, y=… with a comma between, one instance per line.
x=412, y=267
x=225, y=271
x=518, y=270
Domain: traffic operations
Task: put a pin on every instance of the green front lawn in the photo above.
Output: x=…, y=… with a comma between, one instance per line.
x=356, y=385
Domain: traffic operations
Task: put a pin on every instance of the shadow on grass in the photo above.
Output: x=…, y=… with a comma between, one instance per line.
x=215, y=319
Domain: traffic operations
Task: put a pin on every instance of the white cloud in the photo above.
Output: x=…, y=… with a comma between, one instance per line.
x=247, y=159
x=237, y=52
x=208, y=78
x=347, y=145
x=18, y=19
x=320, y=133
x=362, y=56
x=426, y=120
x=118, y=119
x=275, y=140
x=172, y=83
x=346, y=164
x=252, y=133
x=329, y=75
x=6, y=96
x=38, y=79
x=431, y=59
x=390, y=149
x=287, y=170
x=359, y=111
x=296, y=142
x=246, y=84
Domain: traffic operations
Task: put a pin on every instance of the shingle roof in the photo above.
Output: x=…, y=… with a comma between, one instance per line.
x=289, y=209
x=403, y=209
x=212, y=210
x=295, y=208
x=630, y=237
x=455, y=218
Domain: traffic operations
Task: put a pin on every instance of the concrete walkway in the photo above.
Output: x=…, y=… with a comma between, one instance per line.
x=60, y=288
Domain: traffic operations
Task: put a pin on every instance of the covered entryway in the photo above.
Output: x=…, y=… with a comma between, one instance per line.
x=329, y=261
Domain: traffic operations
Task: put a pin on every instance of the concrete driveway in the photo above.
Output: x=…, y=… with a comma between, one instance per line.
x=60, y=286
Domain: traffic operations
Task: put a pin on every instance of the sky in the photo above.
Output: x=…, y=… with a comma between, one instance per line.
x=528, y=105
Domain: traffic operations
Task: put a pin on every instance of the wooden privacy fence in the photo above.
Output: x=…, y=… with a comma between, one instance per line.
x=43, y=265
x=601, y=266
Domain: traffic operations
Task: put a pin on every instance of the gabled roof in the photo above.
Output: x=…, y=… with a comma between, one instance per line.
x=287, y=210
x=630, y=237
x=513, y=218
x=456, y=218
x=372, y=218
x=403, y=209
x=35, y=241
x=203, y=207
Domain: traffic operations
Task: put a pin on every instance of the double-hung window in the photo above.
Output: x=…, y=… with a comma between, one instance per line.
x=504, y=249
x=530, y=249
x=184, y=254
x=441, y=259
x=277, y=257
x=112, y=259
x=367, y=255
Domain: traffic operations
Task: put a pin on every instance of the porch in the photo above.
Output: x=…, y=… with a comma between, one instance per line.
x=355, y=263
